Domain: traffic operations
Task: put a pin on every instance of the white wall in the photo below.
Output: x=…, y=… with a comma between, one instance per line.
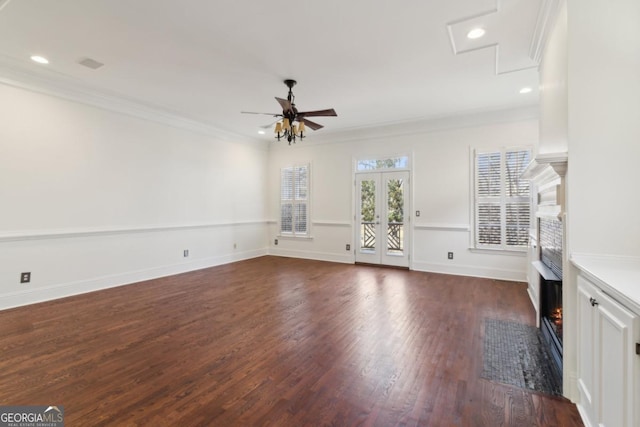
x=92, y=198
x=604, y=126
x=590, y=101
x=553, y=89
x=441, y=185
x=554, y=139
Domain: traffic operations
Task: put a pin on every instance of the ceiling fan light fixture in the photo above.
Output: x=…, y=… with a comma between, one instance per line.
x=294, y=123
x=476, y=33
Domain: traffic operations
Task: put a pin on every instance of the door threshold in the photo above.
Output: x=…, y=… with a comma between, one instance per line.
x=368, y=264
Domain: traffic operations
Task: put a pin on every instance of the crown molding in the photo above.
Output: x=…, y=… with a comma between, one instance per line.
x=3, y=3
x=17, y=74
x=467, y=119
x=547, y=15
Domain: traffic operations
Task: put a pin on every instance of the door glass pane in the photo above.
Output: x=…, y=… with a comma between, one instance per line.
x=367, y=215
x=395, y=209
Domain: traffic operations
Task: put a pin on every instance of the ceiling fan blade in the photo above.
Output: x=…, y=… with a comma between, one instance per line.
x=286, y=105
x=327, y=112
x=270, y=125
x=266, y=114
x=309, y=123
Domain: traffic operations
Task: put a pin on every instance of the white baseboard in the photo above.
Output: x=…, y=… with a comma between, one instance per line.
x=62, y=290
x=458, y=270
x=583, y=415
x=317, y=256
x=470, y=270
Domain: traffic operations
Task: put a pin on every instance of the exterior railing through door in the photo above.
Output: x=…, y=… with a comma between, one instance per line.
x=395, y=232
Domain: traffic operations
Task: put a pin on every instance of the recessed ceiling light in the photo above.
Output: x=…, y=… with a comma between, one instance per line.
x=476, y=33
x=39, y=59
x=261, y=132
x=525, y=90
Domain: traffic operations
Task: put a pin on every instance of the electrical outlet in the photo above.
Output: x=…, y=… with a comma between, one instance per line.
x=25, y=277
x=348, y=247
x=450, y=255
x=275, y=242
x=417, y=213
x=185, y=253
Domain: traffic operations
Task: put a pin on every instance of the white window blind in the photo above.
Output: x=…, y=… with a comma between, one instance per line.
x=294, y=200
x=502, y=199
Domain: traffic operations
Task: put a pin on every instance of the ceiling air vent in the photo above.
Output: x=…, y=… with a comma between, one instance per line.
x=90, y=63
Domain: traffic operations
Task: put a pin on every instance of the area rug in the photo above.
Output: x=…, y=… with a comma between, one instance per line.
x=515, y=354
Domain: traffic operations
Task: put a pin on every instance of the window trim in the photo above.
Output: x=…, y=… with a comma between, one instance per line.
x=292, y=234
x=503, y=248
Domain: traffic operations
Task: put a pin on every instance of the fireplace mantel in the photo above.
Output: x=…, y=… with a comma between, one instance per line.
x=547, y=172
x=546, y=168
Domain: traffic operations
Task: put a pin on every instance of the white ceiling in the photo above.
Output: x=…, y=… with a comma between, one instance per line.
x=375, y=62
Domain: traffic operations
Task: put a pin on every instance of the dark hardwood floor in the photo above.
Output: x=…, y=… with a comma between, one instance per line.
x=273, y=341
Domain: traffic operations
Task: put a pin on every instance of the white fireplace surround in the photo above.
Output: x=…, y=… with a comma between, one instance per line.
x=547, y=174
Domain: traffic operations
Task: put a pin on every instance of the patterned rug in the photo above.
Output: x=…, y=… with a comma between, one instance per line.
x=515, y=354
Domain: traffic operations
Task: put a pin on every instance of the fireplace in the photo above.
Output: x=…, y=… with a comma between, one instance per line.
x=550, y=268
x=547, y=174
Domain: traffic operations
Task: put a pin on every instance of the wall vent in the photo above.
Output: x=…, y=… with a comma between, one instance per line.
x=90, y=63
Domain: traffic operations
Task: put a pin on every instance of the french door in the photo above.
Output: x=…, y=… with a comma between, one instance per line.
x=382, y=209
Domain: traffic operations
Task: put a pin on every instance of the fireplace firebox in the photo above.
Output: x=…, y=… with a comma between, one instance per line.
x=550, y=268
x=551, y=317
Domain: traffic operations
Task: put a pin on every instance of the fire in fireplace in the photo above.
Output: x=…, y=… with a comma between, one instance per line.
x=556, y=321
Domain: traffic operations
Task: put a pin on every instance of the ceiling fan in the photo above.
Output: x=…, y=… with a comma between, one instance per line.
x=294, y=122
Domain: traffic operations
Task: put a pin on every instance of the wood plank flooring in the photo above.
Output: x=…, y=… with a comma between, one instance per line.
x=273, y=341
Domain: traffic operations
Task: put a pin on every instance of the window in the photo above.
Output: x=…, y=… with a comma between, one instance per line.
x=294, y=200
x=388, y=163
x=502, y=199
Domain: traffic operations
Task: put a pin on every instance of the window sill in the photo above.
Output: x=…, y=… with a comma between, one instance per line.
x=291, y=237
x=510, y=252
